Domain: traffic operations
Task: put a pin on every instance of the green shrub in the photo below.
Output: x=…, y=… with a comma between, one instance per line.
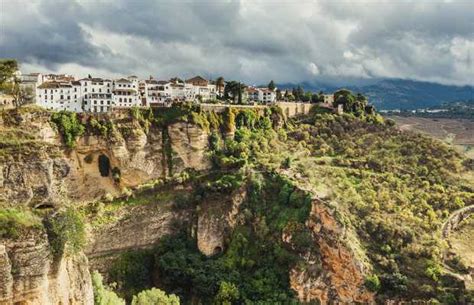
x=372, y=283
x=102, y=294
x=66, y=231
x=228, y=294
x=132, y=272
x=154, y=296
x=15, y=221
x=69, y=126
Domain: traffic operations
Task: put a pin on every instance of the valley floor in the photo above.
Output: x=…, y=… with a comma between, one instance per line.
x=459, y=132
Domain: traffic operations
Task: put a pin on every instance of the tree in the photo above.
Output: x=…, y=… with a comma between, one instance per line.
x=234, y=90
x=154, y=296
x=351, y=103
x=228, y=293
x=306, y=97
x=220, y=84
x=271, y=85
x=102, y=295
x=10, y=83
x=8, y=67
x=279, y=96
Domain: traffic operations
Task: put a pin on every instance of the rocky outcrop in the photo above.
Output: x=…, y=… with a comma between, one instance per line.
x=136, y=227
x=29, y=274
x=216, y=218
x=188, y=144
x=51, y=173
x=35, y=183
x=334, y=277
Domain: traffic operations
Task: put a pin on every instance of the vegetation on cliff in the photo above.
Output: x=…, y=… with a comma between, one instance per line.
x=392, y=190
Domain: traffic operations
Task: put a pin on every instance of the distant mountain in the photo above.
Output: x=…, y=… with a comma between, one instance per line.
x=401, y=94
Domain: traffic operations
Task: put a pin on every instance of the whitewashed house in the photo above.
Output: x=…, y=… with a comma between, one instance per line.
x=96, y=94
x=152, y=92
x=201, y=89
x=328, y=99
x=60, y=96
x=261, y=95
x=125, y=92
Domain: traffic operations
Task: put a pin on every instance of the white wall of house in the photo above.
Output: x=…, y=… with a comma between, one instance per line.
x=125, y=93
x=328, y=98
x=96, y=94
x=60, y=96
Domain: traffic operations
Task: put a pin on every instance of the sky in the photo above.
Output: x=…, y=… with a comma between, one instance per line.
x=249, y=40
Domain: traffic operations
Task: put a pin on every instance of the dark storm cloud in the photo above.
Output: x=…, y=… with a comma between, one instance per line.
x=45, y=32
x=249, y=40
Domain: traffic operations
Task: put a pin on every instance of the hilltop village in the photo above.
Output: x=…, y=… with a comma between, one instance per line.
x=63, y=92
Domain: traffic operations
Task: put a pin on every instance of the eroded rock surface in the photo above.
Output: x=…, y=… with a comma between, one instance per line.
x=29, y=274
x=335, y=277
x=216, y=219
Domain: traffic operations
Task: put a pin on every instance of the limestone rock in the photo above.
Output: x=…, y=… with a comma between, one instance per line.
x=216, y=218
x=335, y=277
x=30, y=275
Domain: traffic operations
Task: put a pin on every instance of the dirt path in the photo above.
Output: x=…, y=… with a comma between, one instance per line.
x=448, y=226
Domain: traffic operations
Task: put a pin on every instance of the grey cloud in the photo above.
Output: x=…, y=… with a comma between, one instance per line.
x=250, y=40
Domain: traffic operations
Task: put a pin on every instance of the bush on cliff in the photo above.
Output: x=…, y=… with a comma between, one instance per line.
x=154, y=296
x=69, y=126
x=66, y=231
x=13, y=222
x=104, y=295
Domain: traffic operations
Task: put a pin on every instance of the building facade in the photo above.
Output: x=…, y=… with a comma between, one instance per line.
x=261, y=95
x=60, y=96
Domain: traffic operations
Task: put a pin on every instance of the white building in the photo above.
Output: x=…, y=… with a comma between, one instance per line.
x=29, y=83
x=201, y=89
x=62, y=92
x=96, y=94
x=125, y=92
x=60, y=96
x=328, y=99
x=261, y=95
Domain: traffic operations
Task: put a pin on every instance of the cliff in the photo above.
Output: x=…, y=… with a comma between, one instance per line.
x=319, y=209
x=38, y=171
x=30, y=274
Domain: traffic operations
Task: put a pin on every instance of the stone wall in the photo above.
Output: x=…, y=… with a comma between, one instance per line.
x=290, y=109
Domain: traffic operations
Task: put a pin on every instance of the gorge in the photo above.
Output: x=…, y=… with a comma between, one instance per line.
x=321, y=208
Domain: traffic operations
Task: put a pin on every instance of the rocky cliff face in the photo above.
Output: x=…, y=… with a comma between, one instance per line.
x=39, y=172
x=216, y=219
x=332, y=276
x=46, y=173
x=29, y=274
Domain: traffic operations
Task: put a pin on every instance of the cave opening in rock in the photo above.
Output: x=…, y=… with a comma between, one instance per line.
x=217, y=250
x=104, y=165
x=43, y=206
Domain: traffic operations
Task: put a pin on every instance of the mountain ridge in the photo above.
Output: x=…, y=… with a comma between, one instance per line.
x=398, y=93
